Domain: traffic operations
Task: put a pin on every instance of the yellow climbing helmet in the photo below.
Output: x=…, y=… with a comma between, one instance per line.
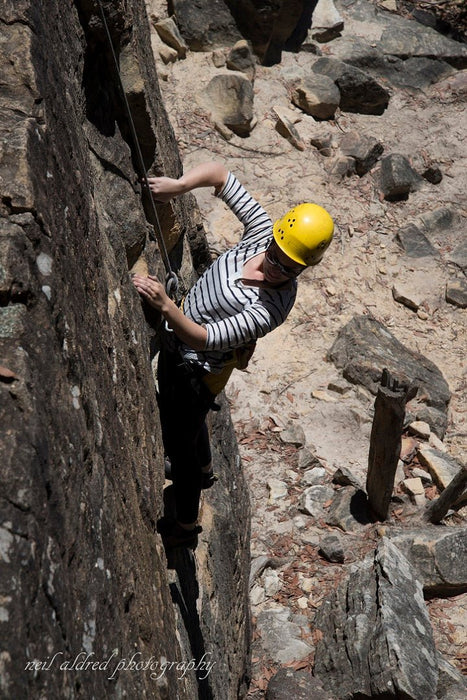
x=304, y=233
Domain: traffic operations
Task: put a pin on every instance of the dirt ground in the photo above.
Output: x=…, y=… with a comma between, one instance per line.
x=356, y=277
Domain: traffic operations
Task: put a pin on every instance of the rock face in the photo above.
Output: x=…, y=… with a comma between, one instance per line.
x=84, y=571
x=376, y=629
x=269, y=24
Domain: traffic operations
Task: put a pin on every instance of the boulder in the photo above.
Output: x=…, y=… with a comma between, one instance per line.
x=375, y=629
x=365, y=150
x=332, y=549
x=409, y=39
x=285, y=127
x=414, y=242
x=397, y=178
x=437, y=555
x=317, y=95
x=456, y=293
x=348, y=510
x=205, y=24
x=313, y=500
x=229, y=97
x=360, y=92
x=364, y=347
x=281, y=635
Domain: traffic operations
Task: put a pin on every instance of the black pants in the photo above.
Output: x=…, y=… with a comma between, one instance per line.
x=184, y=402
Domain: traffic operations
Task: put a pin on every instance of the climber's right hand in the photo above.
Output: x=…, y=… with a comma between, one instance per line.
x=164, y=188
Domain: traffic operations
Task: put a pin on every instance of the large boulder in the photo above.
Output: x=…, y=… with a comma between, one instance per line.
x=205, y=24
x=375, y=629
x=229, y=98
x=364, y=347
x=360, y=92
x=438, y=557
x=317, y=95
x=409, y=39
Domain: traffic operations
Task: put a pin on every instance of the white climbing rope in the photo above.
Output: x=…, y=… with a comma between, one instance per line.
x=171, y=280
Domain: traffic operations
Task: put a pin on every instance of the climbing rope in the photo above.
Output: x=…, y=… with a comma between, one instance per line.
x=171, y=280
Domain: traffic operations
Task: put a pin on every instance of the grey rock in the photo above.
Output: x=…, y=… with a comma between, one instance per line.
x=331, y=548
x=397, y=178
x=437, y=555
x=412, y=40
x=349, y=510
x=364, y=347
x=364, y=149
x=358, y=52
x=281, y=635
x=230, y=97
x=376, y=629
x=433, y=174
x=440, y=219
x=459, y=255
x=307, y=459
x=437, y=420
x=205, y=24
x=415, y=73
x=414, y=242
x=344, y=477
x=342, y=167
x=313, y=500
x=360, y=92
x=317, y=95
x=241, y=58
x=452, y=685
x=314, y=477
x=299, y=685
x=293, y=435
x=456, y=293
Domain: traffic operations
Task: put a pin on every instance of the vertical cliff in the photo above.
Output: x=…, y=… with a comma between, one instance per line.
x=83, y=571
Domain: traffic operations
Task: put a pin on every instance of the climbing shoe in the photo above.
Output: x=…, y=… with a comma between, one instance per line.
x=173, y=535
x=208, y=479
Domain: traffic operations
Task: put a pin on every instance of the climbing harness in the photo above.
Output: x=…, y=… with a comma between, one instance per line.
x=171, y=280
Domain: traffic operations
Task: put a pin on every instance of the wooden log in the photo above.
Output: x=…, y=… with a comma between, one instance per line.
x=437, y=509
x=385, y=442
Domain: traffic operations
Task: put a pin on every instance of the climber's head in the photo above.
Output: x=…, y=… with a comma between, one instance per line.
x=304, y=233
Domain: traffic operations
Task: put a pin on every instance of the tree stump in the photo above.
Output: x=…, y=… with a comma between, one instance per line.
x=385, y=442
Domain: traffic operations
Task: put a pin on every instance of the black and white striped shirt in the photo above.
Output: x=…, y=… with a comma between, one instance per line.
x=234, y=313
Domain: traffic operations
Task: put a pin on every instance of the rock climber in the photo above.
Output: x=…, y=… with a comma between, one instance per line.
x=245, y=293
